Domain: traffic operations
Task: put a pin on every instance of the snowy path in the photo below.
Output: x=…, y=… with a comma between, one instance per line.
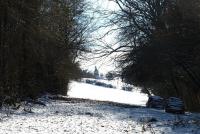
x=92, y=117
x=60, y=117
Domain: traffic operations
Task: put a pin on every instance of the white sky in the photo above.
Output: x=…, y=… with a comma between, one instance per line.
x=104, y=65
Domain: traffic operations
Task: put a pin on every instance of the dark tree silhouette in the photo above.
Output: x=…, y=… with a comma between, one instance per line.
x=159, y=43
x=40, y=41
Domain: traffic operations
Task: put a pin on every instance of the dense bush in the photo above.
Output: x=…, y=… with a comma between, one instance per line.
x=98, y=83
x=39, y=43
x=90, y=81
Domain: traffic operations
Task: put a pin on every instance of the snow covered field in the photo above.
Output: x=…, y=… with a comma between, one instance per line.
x=92, y=117
x=88, y=91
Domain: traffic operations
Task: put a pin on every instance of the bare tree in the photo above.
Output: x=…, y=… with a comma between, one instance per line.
x=156, y=44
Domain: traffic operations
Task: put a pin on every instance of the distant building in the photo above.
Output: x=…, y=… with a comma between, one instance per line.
x=96, y=73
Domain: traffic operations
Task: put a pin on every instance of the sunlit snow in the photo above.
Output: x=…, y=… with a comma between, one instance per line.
x=88, y=91
x=75, y=116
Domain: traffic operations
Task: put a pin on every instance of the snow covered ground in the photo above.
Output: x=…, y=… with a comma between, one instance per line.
x=92, y=117
x=88, y=91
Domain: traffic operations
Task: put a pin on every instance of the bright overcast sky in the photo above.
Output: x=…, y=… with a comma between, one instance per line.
x=104, y=65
